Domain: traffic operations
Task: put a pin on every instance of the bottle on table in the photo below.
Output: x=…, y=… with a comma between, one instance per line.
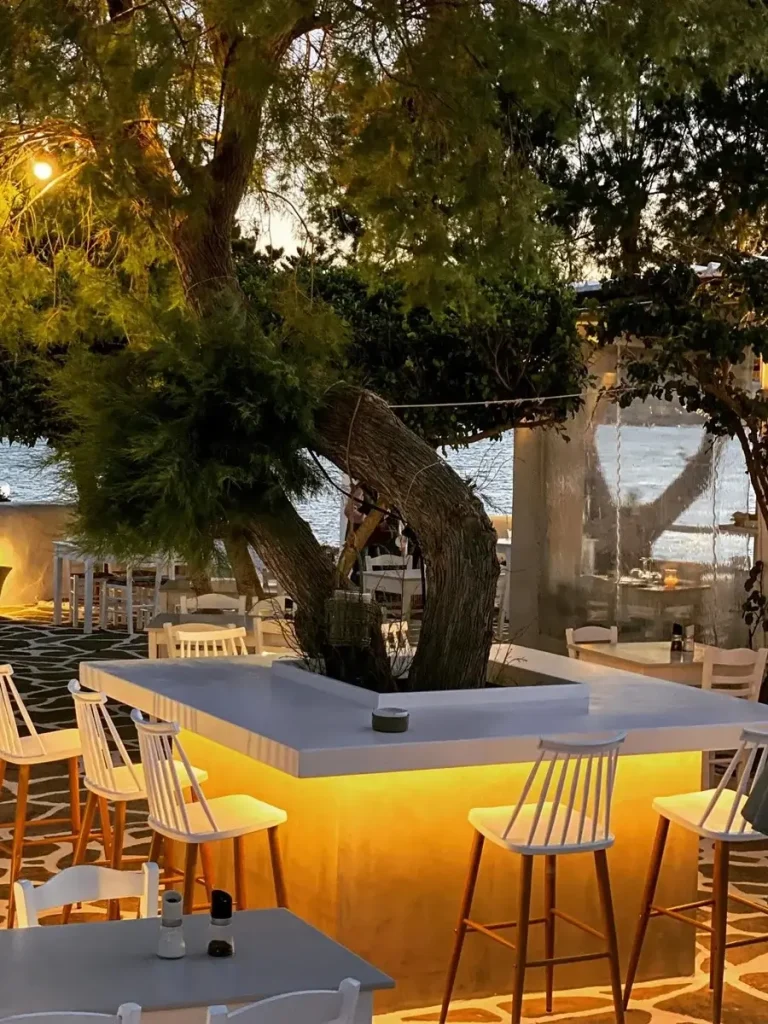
x=221, y=939
x=170, y=945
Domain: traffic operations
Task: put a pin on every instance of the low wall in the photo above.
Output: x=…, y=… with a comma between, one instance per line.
x=27, y=532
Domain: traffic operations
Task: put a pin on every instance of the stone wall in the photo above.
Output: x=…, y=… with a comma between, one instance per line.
x=27, y=532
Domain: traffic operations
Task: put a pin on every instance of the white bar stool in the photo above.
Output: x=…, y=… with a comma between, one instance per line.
x=204, y=821
x=712, y=814
x=25, y=752
x=567, y=818
x=107, y=782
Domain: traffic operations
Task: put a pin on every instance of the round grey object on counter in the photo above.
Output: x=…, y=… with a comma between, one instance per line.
x=390, y=720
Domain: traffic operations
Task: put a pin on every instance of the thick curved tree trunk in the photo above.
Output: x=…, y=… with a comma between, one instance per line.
x=243, y=569
x=359, y=433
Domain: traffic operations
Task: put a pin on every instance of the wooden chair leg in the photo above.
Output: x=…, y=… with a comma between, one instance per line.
x=240, y=896
x=168, y=863
x=118, y=839
x=206, y=858
x=523, y=919
x=82, y=844
x=190, y=869
x=19, y=827
x=106, y=828
x=2, y=775
x=74, y=799
x=155, y=848
x=719, y=926
x=277, y=867
x=550, y=887
x=606, y=901
x=649, y=893
x=461, y=927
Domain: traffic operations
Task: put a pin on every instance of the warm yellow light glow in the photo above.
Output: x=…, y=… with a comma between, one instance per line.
x=42, y=169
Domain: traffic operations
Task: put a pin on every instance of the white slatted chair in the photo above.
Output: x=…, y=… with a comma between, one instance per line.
x=590, y=635
x=87, y=883
x=128, y=1013
x=213, y=602
x=110, y=777
x=203, y=821
x=737, y=673
x=715, y=815
x=388, y=563
x=314, y=1007
x=26, y=749
x=279, y=609
x=571, y=815
x=202, y=640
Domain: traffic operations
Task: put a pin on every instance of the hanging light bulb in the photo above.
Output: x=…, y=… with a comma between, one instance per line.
x=42, y=169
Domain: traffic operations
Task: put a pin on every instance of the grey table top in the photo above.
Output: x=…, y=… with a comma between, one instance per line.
x=96, y=967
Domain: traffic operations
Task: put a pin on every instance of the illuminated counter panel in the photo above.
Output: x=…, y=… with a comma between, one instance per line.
x=377, y=841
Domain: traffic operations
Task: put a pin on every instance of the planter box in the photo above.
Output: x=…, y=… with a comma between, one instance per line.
x=507, y=663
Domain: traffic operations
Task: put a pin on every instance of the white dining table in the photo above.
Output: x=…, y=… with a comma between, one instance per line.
x=94, y=968
x=403, y=582
x=67, y=551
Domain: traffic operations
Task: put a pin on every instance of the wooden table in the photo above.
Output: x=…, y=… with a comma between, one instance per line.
x=646, y=658
x=403, y=582
x=96, y=967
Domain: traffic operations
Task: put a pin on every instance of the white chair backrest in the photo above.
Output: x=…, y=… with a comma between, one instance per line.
x=563, y=800
x=86, y=883
x=742, y=671
x=202, y=640
x=160, y=746
x=213, y=602
x=318, y=1007
x=751, y=758
x=396, y=638
x=385, y=562
x=128, y=1013
x=279, y=606
x=590, y=635
x=99, y=738
x=12, y=705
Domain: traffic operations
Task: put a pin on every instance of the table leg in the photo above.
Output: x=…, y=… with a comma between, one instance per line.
x=74, y=600
x=88, y=598
x=57, y=574
x=129, y=599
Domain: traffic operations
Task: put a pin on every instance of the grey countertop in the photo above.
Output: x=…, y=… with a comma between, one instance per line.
x=96, y=967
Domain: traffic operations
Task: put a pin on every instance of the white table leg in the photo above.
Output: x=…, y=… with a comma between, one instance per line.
x=103, y=603
x=129, y=598
x=74, y=600
x=57, y=574
x=88, y=597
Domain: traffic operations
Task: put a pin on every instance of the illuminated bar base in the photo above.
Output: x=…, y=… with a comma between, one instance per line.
x=378, y=862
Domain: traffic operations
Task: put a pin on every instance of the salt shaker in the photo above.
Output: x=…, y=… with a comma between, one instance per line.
x=170, y=945
x=221, y=940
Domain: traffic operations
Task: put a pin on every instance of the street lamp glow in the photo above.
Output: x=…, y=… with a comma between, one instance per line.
x=42, y=169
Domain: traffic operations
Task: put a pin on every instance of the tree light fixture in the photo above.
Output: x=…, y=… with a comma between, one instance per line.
x=42, y=169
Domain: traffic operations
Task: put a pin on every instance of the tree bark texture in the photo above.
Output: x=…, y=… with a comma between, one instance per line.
x=243, y=569
x=358, y=432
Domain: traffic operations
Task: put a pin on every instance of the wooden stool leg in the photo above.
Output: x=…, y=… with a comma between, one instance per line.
x=206, y=858
x=240, y=897
x=523, y=918
x=719, y=926
x=461, y=927
x=106, y=828
x=74, y=799
x=277, y=867
x=2, y=775
x=606, y=900
x=155, y=848
x=19, y=826
x=190, y=868
x=649, y=893
x=118, y=838
x=550, y=886
x=82, y=844
x=167, y=863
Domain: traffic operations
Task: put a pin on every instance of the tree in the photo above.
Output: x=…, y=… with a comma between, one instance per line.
x=157, y=119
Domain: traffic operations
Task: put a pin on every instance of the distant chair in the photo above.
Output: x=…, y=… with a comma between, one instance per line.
x=202, y=640
x=86, y=883
x=203, y=821
x=313, y=1007
x=213, y=602
x=28, y=750
x=737, y=673
x=128, y=1013
x=280, y=608
x=590, y=635
x=387, y=563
